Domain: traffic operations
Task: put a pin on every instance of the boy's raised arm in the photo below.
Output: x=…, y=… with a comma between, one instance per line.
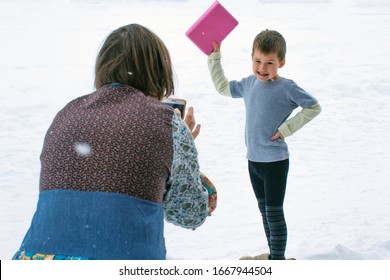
x=221, y=83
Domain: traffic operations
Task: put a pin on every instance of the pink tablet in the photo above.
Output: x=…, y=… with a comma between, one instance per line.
x=214, y=25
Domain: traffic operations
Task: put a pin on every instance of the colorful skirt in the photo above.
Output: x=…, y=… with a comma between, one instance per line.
x=22, y=255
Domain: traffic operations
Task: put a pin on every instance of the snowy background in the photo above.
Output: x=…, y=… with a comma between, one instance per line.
x=338, y=197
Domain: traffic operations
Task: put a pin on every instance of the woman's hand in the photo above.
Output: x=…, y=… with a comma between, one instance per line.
x=190, y=121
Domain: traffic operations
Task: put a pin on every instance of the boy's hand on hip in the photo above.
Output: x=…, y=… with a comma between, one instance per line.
x=278, y=135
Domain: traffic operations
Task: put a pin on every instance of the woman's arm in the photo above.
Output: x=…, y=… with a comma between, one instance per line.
x=185, y=200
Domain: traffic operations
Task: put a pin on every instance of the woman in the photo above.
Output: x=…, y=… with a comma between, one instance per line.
x=115, y=161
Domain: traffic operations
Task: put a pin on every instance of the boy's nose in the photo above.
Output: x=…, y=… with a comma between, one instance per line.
x=262, y=66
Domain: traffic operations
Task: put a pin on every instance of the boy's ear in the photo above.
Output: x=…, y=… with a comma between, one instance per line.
x=281, y=64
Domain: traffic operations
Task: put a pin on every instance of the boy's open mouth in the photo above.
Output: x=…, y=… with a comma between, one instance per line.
x=262, y=74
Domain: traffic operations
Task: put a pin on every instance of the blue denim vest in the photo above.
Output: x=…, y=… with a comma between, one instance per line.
x=96, y=225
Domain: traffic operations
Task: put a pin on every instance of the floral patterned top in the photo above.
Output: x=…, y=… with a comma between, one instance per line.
x=184, y=187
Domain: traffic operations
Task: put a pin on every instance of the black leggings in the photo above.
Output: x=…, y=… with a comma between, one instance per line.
x=269, y=184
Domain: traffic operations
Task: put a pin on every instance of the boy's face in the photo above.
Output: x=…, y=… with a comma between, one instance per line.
x=265, y=66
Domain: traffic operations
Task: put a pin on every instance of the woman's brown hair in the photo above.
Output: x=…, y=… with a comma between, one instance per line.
x=133, y=55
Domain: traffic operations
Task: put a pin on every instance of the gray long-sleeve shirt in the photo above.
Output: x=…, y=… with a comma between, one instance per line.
x=268, y=105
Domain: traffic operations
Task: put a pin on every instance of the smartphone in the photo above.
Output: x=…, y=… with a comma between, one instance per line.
x=176, y=103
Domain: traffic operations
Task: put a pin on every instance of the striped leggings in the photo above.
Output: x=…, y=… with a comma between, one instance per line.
x=269, y=184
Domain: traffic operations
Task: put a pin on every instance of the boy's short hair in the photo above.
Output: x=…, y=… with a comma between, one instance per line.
x=270, y=41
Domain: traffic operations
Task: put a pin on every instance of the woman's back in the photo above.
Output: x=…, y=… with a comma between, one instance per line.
x=105, y=162
x=113, y=140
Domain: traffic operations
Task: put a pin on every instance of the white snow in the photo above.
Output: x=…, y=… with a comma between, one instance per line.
x=338, y=197
x=83, y=149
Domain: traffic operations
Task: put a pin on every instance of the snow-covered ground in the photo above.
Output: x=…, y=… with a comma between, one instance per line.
x=338, y=197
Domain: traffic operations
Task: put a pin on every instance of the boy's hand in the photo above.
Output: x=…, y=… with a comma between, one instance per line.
x=277, y=136
x=217, y=48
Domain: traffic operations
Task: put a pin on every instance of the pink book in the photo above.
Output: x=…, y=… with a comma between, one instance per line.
x=214, y=25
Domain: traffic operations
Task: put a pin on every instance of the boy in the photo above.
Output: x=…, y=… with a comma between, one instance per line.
x=269, y=100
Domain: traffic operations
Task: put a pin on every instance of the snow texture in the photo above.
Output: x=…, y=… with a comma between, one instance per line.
x=338, y=197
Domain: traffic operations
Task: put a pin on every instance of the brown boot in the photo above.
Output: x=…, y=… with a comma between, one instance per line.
x=258, y=257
